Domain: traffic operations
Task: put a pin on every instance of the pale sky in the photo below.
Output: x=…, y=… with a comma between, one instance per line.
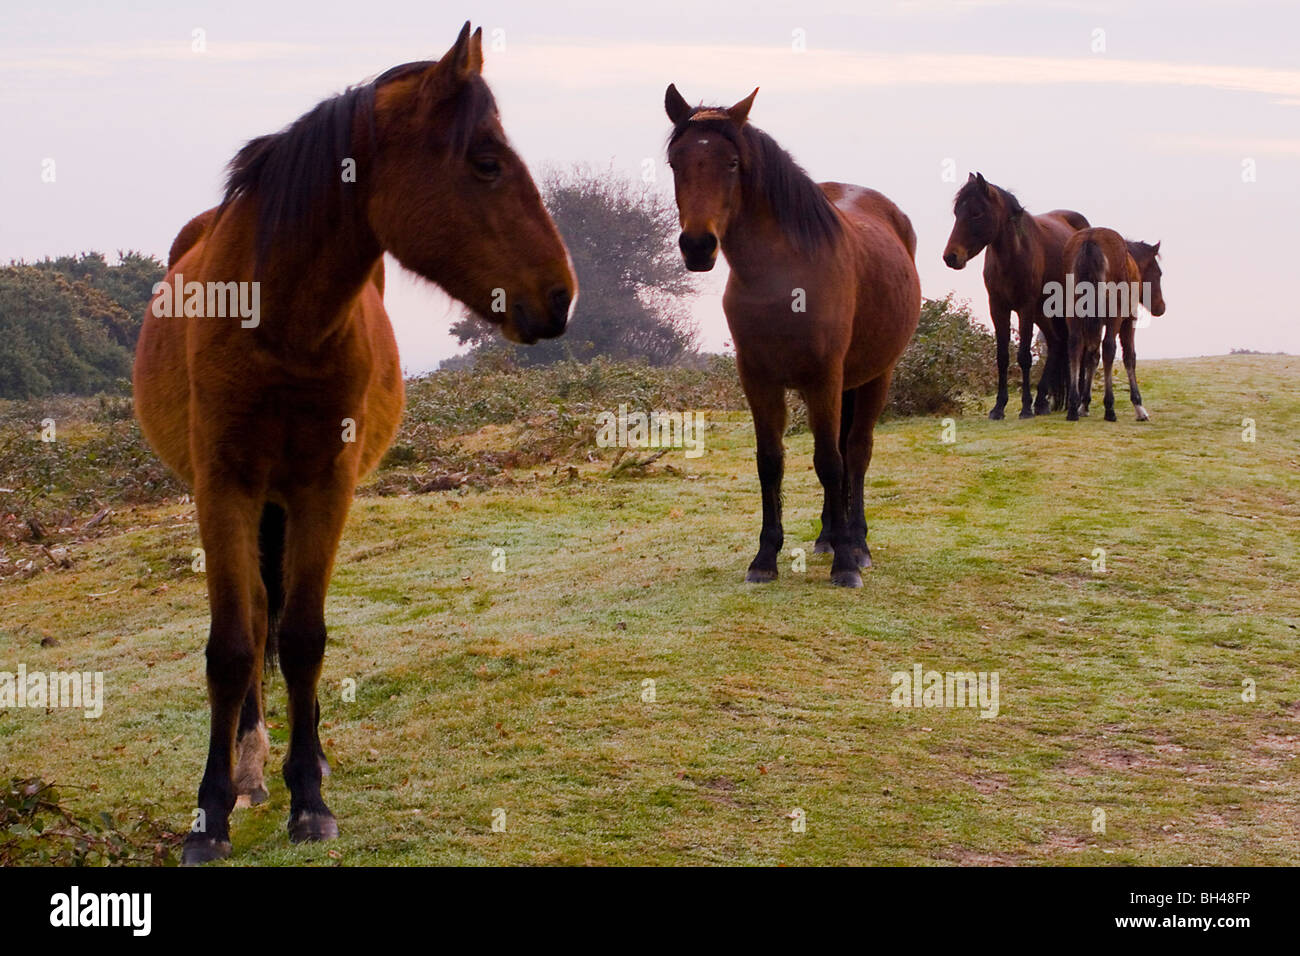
x=1159, y=133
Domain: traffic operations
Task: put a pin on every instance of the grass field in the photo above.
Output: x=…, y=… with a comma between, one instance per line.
x=1123, y=691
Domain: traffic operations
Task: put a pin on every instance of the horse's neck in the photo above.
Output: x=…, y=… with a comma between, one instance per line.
x=1014, y=244
x=754, y=243
x=309, y=290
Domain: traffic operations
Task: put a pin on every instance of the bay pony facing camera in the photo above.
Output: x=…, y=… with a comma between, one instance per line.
x=273, y=426
x=823, y=297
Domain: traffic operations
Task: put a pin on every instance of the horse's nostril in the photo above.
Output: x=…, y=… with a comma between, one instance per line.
x=559, y=299
x=698, y=246
x=950, y=259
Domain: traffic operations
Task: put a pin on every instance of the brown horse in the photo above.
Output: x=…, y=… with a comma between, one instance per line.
x=1106, y=279
x=823, y=297
x=273, y=417
x=1024, y=254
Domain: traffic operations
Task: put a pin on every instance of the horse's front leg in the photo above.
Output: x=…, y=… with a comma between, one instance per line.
x=228, y=517
x=767, y=403
x=823, y=543
x=1025, y=358
x=316, y=517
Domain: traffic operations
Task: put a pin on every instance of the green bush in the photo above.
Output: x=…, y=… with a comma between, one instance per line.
x=951, y=361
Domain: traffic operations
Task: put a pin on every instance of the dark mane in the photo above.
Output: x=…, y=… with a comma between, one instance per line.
x=973, y=191
x=296, y=174
x=801, y=209
x=1140, y=250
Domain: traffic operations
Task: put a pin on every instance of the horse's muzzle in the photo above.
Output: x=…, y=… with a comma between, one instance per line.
x=530, y=325
x=698, y=252
x=954, y=261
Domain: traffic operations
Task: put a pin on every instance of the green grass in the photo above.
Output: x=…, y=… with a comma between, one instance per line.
x=522, y=690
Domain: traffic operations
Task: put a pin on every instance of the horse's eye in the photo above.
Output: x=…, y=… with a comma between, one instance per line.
x=486, y=167
x=734, y=163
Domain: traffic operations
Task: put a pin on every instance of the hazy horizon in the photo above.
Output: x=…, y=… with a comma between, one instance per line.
x=1183, y=128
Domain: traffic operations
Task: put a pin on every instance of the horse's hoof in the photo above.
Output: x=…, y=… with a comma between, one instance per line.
x=1083, y=413
x=996, y=415
x=200, y=848
x=252, y=798
x=759, y=576
x=1142, y=414
x=1026, y=413
x=312, y=826
x=846, y=579
x=1043, y=409
x=1071, y=416
x=822, y=546
x=1110, y=416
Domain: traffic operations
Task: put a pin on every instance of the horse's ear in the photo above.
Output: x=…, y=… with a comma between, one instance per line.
x=675, y=104
x=971, y=178
x=459, y=62
x=1156, y=248
x=475, y=61
x=979, y=178
x=740, y=112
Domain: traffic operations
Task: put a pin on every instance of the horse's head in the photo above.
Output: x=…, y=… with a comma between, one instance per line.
x=1147, y=258
x=452, y=201
x=707, y=154
x=980, y=209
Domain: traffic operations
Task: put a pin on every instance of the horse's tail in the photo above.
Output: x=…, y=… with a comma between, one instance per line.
x=1089, y=266
x=270, y=546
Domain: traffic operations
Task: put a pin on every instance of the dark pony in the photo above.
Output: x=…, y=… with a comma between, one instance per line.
x=1024, y=256
x=823, y=297
x=1110, y=276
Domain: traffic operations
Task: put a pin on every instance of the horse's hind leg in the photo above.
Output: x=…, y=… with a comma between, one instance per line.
x=316, y=518
x=823, y=543
x=1073, y=372
x=1053, y=389
x=252, y=745
x=227, y=522
x=767, y=403
x=1091, y=355
x=1108, y=362
x=824, y=418
x=1025, y=359
x=1130, y=366
x=869, y=402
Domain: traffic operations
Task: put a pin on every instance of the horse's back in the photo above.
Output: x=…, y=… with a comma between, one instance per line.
x=1109, y=243
x=858, y=204
x=889, y=289
x=1075, y=220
